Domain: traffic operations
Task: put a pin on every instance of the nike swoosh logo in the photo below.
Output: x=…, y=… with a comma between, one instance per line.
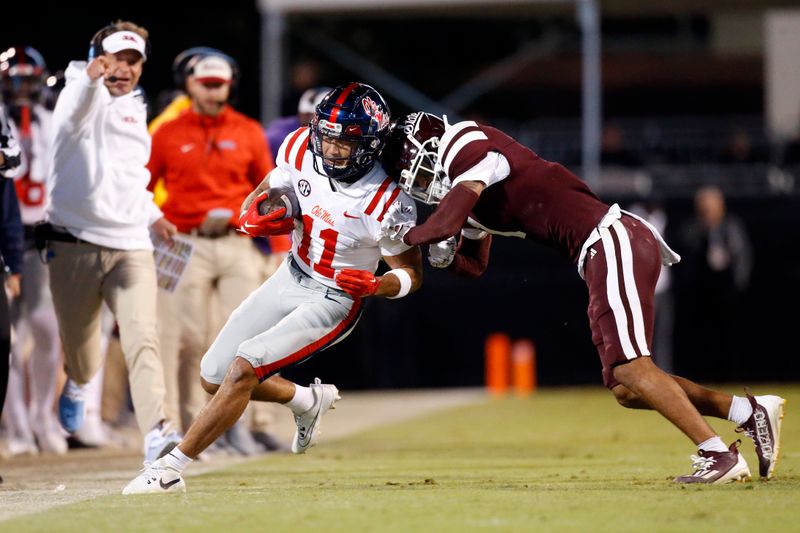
x=350, y=216
x=186, y=147
x=165, y=486
x=246, y=225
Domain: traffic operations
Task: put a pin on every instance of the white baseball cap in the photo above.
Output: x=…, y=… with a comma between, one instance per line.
x=311, y=98
x=125, y=40
x=212, y=68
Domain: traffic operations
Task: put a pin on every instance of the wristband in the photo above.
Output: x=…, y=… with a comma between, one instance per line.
x=405, y=282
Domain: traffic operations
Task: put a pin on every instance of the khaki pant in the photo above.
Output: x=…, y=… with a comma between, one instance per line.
x=84, y=275
x=221, y=273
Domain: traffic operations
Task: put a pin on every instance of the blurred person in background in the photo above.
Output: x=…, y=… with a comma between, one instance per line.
x=614, y=150
x=11, y=245
x=100, y=218
x=484, y=183
x=316, y=297
x=719, y=263
x=210, y=157
x=278, y=129
x=32, y=383
x=304, y=73
x=94, y=432
x=739, y=148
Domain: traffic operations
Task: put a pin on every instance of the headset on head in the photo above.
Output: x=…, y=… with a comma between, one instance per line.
x=183, y=66
x=96, y=44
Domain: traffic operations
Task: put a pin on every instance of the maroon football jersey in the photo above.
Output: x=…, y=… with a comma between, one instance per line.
x=541, y=199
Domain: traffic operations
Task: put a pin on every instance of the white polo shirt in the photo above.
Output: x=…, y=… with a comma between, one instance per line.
x=98, y=183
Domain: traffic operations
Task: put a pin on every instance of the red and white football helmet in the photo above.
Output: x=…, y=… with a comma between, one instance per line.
x=411, y=156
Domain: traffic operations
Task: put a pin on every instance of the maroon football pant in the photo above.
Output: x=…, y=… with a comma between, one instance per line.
x=621, y=271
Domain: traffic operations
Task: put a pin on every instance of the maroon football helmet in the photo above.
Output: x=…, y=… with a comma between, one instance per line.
x=411, y=156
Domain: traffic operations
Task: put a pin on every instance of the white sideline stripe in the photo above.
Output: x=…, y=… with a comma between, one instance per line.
x=630, y=286
x=460, y=144
x=614, y=297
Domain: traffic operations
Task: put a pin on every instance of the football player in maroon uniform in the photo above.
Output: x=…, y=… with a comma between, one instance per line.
x=485, y=183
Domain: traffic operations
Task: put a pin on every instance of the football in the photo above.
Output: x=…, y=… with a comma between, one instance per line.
x=278, y=197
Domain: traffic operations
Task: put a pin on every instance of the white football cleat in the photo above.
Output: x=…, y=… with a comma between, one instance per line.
x=156, y=478
x=308, y=423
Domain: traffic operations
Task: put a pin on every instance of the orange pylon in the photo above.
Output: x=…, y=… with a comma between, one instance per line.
x=498, y=355
x=523, y=367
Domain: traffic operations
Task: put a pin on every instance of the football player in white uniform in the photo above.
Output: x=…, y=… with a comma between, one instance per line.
x=315, y=298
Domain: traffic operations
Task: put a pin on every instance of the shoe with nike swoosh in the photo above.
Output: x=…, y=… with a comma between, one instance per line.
x=155, y=478
x=308, y=423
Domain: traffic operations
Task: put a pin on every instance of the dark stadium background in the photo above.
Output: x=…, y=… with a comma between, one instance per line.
x=435, y=337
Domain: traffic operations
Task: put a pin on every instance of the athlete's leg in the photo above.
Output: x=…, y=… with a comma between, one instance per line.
x=621, y=273
x=707, y=401
x=658, y=390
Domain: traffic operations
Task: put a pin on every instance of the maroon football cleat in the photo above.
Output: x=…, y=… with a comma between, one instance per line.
x=764, y=427
x=717, y=467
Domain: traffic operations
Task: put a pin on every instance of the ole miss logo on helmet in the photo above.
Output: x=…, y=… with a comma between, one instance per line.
x=376, y=112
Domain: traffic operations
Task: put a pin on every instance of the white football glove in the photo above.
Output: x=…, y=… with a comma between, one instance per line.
x=397, y=221
x=441, y=254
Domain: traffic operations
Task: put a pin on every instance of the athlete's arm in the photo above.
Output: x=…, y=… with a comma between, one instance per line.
x=411, y=262
x=472, y=256
x=404, y=278
x=261, y=187
x=450, y=215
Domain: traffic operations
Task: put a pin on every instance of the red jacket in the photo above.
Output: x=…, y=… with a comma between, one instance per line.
x=207, y=163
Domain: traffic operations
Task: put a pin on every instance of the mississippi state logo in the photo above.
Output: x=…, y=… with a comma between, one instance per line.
x=304, y=187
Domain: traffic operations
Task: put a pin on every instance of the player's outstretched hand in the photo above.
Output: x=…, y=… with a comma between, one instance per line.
x=274, y=223
x=357, y=283
x=397, y=221
x=441, y=254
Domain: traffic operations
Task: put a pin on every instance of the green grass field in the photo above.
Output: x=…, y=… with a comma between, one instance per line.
x=563, y=460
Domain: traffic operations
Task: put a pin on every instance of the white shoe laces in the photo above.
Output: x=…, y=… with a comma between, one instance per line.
x=73, y=391
x=701, y=464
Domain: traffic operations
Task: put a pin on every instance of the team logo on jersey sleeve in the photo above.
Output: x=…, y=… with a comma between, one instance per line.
x=304, y=187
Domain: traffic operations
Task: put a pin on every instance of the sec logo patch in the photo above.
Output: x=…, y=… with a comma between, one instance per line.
x=304, y=187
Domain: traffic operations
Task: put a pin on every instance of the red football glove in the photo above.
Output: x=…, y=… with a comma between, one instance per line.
x=256, y=225
x=357, y=283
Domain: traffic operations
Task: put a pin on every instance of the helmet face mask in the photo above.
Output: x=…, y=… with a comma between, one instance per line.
x=425, y=179
x=348, y=131
x=412, y=156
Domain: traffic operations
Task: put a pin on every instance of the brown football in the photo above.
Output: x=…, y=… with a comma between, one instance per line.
x=278, y=197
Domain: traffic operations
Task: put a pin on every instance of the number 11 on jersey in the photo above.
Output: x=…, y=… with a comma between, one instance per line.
x=329, y=237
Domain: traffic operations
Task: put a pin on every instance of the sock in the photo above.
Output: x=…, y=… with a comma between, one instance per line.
x=177, y=460
x=74, y=392
x=740, y=411
x=714, y=444
x=302, y=401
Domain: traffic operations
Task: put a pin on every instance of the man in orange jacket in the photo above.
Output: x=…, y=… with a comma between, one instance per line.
x=209, y=157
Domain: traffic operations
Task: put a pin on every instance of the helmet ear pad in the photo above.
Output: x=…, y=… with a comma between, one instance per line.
x=183, y=65
x=356, y=113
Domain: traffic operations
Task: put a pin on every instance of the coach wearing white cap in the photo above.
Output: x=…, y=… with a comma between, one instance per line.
x=101, y=217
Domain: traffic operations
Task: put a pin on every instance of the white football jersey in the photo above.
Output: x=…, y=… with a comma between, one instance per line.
x=341, y=222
